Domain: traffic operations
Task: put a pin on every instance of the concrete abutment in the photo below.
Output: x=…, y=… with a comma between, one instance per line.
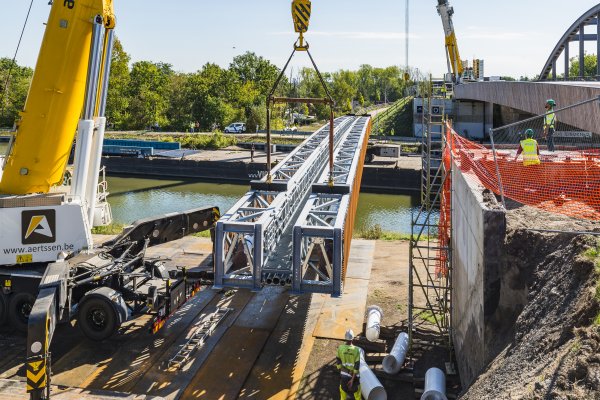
x=486, y=303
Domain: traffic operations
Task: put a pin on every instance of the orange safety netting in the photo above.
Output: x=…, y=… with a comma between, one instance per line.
x=444, y=226
x=567, y=181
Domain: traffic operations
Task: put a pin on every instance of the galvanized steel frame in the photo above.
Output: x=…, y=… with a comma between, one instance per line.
x=258, y=220
x=323, y=221
x=435, y=311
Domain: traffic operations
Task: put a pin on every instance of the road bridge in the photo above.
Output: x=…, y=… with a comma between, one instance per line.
x=565, y=89
x=531, y=97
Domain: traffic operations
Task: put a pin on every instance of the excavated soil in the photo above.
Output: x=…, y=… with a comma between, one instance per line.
x=553, y=352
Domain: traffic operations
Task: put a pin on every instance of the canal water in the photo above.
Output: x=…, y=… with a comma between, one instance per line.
x=132, y=198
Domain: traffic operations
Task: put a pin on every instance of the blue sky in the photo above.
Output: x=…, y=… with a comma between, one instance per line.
x=513, y=37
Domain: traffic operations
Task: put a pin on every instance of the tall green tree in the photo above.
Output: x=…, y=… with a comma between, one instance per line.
x=590, y=64
x=250, y=68
x=148, y=94
x=13, y=100
x=117, y=104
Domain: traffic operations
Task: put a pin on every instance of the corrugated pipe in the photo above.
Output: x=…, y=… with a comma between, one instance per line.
x=374, y=315
x=435, y=385
x=370, y=386
x=394, y=361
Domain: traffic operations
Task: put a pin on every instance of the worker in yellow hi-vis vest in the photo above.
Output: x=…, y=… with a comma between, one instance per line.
x=530, y=149
x=348, y=363
x=549, y=123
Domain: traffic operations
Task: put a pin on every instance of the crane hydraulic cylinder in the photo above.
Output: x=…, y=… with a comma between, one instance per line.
x=46, y=129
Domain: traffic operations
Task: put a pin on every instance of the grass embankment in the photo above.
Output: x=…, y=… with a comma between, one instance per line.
x=115, y=229
x=212, y=141
x=375, y=232
x=593, y=254
x=398, y=121
x=112, y=229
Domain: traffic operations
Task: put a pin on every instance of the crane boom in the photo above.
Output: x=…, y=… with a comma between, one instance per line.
x=46, y=129
x=455, y=63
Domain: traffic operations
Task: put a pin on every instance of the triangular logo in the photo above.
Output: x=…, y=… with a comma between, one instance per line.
x=39, y=224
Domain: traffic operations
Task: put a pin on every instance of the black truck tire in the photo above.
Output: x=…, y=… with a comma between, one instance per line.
x=97, y=318
x=369, y=158
x=19, y=307
x=3, y=309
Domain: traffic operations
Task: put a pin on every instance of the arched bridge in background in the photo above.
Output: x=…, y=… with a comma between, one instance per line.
x=575, y=33
x=531, y=96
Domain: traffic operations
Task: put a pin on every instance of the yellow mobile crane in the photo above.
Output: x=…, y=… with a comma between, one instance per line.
x=47, y=276
x=455, y=65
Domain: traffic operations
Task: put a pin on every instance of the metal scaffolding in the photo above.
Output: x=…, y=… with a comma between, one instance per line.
x=430, y=278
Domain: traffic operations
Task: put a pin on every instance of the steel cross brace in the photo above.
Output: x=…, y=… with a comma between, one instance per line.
x=249, y=233
x=319, y=234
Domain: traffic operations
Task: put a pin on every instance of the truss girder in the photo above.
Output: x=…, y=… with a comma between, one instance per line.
x=248, y=235
x=323, y=231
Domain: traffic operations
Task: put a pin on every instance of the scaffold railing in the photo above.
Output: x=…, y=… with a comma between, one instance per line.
x=430, y=265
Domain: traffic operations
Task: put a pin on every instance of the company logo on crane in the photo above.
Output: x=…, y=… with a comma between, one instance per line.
x=38, y=226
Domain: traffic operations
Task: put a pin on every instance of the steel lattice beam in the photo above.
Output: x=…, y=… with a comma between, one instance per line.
x=251, y=234
x=323, y=232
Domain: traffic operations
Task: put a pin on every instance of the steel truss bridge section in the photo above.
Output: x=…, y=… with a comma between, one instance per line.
x=323, y=231
x=248, y=236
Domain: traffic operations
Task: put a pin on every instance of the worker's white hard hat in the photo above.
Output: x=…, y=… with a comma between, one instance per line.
x=349, y=334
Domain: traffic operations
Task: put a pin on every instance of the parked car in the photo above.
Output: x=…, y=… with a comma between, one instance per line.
x=236, y=127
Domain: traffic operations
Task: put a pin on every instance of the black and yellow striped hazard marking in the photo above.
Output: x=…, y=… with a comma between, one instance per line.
x=301, y=14
x=36, y=375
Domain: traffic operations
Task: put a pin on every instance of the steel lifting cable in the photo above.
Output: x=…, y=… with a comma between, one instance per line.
x=6, y=83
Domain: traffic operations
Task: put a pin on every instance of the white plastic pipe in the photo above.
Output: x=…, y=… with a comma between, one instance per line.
x=435, y=385
x=370, y=386
x=374, y=315
x=394, y=361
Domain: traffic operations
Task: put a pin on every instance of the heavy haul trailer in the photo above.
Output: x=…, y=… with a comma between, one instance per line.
x=101, y=290
x=49, y=273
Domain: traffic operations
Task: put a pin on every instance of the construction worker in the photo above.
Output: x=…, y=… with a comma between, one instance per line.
x=530, y=149
x=348, y=363
x=549, y=123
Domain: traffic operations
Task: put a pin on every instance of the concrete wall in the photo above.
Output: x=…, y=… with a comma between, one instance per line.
x=378, y=180
x=531, y=96
x=477, y=259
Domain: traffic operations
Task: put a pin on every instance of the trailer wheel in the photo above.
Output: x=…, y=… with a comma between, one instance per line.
x=97, y=318
x=369, y=158
x=19, y=308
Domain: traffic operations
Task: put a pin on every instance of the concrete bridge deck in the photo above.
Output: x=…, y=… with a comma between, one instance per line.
x=531, y=97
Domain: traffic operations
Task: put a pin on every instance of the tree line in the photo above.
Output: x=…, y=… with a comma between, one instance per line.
x=145, y=94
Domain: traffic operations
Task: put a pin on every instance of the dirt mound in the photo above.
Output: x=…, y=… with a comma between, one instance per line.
x=553, y=350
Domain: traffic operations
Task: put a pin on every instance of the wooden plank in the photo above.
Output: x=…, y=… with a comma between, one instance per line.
x=348, y=311
x=277, y=367
x=136, y=357
x=227, y=368
x=170, y=384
